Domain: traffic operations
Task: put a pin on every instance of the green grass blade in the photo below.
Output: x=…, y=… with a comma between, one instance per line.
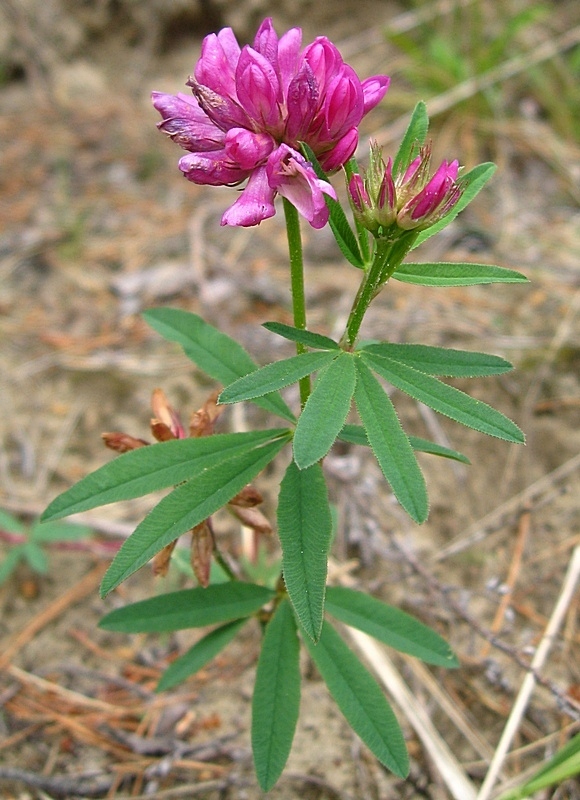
x=446, y=399
x=309, y=338
x=360, y=699
x=390, y=444
x=275, y=376
x=217, y=354
x=415, y=136
x=564, y=765
x=473, y=181
x=305, y=531
x=325, y=411
x=449, y=274
x=199, y=655
x=276, y=699
x=389, y=625
x=148, y=469
x=190, y=608
x=185, y=507
x=442, y=360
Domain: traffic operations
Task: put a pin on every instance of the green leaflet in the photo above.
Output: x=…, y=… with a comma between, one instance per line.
x=449, y=274
x=441, y=360
x=355, y=434
x=148, y=469
x=325, y=411
x=473, y=182
x=199, y=655
x=390, y=444
x=445, y=399
x=186, y=506
x=190, y=608
x=343, y=233
x=276, y=699
x=415, y=136
x=360, y=699
x=310, y=339
x=305, y=531
x=275, y=376
x=220, y=356
x=389, y=625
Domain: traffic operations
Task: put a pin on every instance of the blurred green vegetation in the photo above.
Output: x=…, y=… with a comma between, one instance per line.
x=493, y=62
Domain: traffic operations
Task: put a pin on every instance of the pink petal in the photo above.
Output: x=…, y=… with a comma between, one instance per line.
x=247, y=150
x=255, y=203
x=211, y=169
x=258, y=89
x=294, y=178
x=341, y=152
x=186, y=123
x=374, y=89
x=217, y=66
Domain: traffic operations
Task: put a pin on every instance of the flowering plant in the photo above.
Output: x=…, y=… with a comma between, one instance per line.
x=282, y=118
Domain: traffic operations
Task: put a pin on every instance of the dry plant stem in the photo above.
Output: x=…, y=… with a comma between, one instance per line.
x=519, y=707
x=565, y=702
x=510, y=582
x=480, y=529
x=451, y=771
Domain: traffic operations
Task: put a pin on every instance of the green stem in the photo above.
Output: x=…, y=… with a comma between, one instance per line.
x=297, y=285
x=387, y=257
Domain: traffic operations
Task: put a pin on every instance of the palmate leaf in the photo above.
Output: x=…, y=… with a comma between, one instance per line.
x=390, y=444
x=415, y=135
x=199, y=655
x=445, y=399
x=185, y=507
x=355, y=434
x=276, y=699
x=389, y=625
x=442, y=360
x=360, y=699
x=473, y=182
x=305, y=531
x=59, y=532
x=325, y=411
x=343, y=233
x=309, y=338
x=148, y=469
x=189, y=608
x=449, y=274
x=218, y=355
x=275, y=376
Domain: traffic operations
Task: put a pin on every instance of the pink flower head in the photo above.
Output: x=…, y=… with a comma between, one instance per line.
x=251, y=108
x=422, y=201
x=412, y=200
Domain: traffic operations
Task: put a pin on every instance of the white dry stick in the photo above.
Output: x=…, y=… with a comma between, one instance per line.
x=529, y=681
x=451, y=771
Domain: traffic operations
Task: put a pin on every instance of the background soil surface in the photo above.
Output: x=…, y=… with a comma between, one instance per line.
x=98, y=226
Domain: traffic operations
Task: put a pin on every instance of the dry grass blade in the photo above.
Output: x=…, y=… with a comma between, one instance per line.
x=519, y=707
x=452, y=773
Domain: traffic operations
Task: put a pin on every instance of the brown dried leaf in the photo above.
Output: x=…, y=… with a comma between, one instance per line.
x=202, y=421
x=162, y=558
x=161, y=431
x=247, y=498
x=252, y=518
x=202, y=547
x=122, y=442
x=164, y=412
